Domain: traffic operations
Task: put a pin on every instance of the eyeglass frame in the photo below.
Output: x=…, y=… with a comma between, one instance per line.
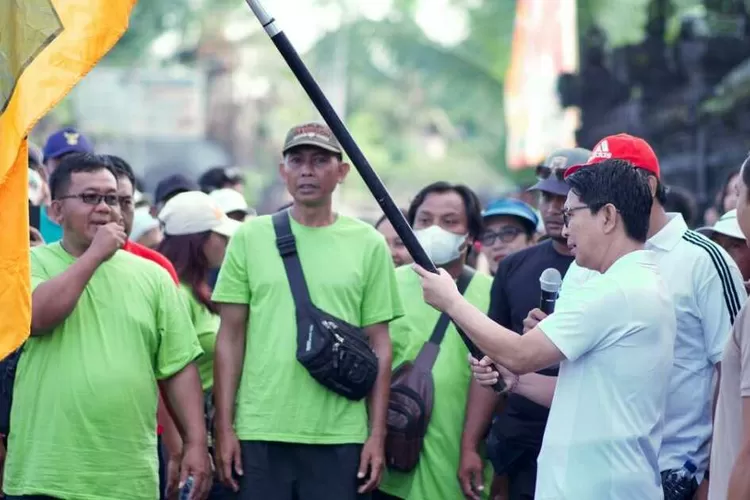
x=95, y=199
x=498, y=235
x=591, y=206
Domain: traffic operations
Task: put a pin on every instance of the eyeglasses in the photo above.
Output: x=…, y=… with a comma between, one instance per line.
x=505, y=235
x=568, y=211
x=543, y=172
x=94, y=199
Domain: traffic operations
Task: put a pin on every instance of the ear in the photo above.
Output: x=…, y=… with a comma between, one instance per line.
x=609, y=214
x=282, y=171
x=653, y=184
x=55, y=212
x=343, y=171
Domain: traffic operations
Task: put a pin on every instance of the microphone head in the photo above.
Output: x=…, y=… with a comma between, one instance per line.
x=550, y=280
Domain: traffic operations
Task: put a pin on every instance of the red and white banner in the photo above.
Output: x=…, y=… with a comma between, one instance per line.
x=545, y=45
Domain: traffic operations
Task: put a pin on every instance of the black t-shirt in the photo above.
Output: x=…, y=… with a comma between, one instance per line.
x=515, y=292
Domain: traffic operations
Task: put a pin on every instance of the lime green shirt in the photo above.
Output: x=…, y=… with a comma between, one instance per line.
x=206, y=326
x=85, y=397
x=350, y=275
x=435, y=476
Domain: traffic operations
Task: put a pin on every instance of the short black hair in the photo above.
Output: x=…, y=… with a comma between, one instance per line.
x=73, y=163
x=617, y=182
x=681, y=200
x=121, y=168
x=471, y=203
x=383, y=218
x=745, y=171
x=217, y=177
x=661, y=189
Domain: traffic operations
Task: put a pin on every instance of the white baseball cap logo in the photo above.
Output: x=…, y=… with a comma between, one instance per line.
x=601, y=151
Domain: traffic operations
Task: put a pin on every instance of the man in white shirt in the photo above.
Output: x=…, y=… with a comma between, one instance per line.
x=614, y=344
x=707, y=290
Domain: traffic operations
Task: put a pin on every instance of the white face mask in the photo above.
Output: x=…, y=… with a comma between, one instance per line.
x=441, y=246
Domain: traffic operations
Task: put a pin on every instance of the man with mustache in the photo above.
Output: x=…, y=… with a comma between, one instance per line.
x=279, y=433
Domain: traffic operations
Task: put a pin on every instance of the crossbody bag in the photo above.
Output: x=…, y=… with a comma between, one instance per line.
x=337, y=354
x=412, y=394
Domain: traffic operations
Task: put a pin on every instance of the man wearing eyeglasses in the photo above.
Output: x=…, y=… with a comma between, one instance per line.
x=106, y=327
x=509, y=226
x=708, y=291
x=614, y=342
x=516, y=435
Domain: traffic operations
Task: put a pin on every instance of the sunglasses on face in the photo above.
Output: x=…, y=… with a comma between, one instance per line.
x=94, y=199
x=505, y=235
x=543, y=172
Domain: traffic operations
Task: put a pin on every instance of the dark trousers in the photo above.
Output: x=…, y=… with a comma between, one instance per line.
x=379, y=495
x=519, y=466
x=522, y=479
x=290, y=471
x=30, y=497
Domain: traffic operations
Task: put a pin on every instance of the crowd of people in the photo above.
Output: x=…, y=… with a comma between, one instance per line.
x=166, y=354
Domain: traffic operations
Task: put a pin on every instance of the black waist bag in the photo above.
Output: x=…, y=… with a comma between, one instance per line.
x=334, y=352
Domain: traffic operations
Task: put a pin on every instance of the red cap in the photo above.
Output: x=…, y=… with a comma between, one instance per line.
x=622, y=147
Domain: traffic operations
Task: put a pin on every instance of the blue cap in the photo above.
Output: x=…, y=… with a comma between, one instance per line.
x=514, y=208
x=67, y=140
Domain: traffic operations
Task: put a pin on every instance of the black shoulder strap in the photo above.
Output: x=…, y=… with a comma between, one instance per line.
x=442, y=323
x=287, y=246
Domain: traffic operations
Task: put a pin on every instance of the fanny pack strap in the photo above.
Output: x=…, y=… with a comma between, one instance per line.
x=428, y=354
x=287, y=246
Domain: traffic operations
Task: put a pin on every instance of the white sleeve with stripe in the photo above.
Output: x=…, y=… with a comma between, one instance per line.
x=720, y=295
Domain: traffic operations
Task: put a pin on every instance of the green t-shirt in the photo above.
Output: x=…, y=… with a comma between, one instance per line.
x=350, y=275
x=206, y=325
x=435, y=475
x=84, y=407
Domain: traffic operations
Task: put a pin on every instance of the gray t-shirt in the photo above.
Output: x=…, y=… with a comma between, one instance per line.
x=734, y=385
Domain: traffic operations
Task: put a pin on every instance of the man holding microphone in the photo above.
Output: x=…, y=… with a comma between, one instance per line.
x=614, y=343
x=707, y=290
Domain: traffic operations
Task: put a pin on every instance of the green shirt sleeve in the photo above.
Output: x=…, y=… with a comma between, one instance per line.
x=38, y=273
x=178, y=342
x=232, y=285
x=381, y=301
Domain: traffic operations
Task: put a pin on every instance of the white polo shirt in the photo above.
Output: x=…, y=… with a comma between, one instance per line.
x=605, y=424
x=708, y=292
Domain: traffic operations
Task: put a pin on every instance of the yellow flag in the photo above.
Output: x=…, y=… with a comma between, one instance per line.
x=46, y=47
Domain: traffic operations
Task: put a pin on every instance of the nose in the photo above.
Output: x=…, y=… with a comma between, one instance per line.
x=102, y=207
x=565, y=231
x=307, y=169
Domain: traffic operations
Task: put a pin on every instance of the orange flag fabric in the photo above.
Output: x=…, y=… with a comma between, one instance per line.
x=46, y=47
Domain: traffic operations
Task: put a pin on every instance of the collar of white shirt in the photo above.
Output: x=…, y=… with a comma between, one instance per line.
x=670, y=235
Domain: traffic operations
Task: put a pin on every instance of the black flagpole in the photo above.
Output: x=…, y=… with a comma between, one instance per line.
x=338, y=128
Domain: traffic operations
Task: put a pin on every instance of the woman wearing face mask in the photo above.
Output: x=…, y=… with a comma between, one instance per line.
x=196, y=233
x=446, y=219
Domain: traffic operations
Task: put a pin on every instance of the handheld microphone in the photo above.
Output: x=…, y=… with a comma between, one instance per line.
x=549, y=282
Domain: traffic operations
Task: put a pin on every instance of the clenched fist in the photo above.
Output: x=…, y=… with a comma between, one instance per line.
x=109, y=238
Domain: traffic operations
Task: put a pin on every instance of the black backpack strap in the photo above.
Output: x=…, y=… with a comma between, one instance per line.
x=287, y=246
x=442, y=323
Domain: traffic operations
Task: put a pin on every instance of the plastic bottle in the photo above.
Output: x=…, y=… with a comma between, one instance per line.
x=679, y=484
